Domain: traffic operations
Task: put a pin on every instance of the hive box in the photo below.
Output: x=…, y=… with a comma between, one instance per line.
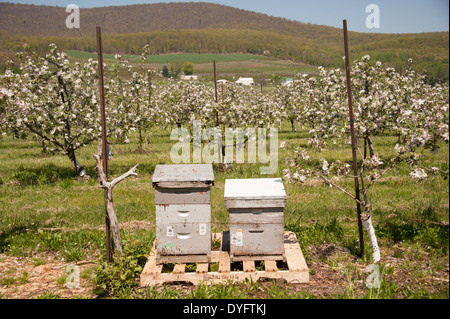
x=183, y=212
x=256, y=216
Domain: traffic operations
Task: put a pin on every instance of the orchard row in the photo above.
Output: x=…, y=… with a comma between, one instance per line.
x=57, y=101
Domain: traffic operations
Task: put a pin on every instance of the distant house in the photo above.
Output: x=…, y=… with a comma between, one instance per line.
x=288, y=81
x=220, y=82
x=245, y=81
x=189, y=77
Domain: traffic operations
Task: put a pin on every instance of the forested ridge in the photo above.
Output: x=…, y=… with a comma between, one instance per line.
x=212, y=28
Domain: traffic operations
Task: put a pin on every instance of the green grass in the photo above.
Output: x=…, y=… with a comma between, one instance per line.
x=43, y=208
x=229, y=66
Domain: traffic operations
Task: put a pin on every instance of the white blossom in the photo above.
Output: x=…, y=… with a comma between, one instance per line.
x=419, y=174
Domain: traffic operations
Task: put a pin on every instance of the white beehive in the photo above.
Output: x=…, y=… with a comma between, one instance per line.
x=183, y=212
x=256, y=216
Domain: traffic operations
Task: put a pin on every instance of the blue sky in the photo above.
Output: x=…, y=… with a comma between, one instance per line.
x=396, y=16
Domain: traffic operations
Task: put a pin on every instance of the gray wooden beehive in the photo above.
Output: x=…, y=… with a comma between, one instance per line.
x=183, y=212
x=256, y=216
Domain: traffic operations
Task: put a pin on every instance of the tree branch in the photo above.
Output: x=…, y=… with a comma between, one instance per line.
x=340, y=188
x=45, y=137
x=372, y=182
x=131, y=172
x=101, y=173
x=109, y=186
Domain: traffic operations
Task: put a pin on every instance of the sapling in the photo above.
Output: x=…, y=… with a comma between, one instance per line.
x=386, y=101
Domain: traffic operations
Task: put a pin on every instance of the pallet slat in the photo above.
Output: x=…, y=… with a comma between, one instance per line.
x=181, y=259
x=202, y=268
x=294, y=255
x=249, y=266
x=179, y=269
x=151, y=268
x=215, y=256
x=270, y=265
x=297, y=273
x=224, y=262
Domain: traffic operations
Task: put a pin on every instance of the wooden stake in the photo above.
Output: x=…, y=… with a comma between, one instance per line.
x=104, y=155
x=108, y=187
x=353, y=140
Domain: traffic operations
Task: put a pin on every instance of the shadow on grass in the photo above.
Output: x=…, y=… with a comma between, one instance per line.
x=46, y=174
x=427, y=233
x=8, y=236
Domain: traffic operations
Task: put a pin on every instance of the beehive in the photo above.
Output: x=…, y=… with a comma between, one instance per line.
x=256, y=217
x=183, y=212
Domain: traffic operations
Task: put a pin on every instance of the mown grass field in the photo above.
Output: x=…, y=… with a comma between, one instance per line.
x=44, y=210
x=229, y=66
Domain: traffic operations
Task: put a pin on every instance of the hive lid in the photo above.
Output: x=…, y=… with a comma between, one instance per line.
x=257, y=188
x=181, y=173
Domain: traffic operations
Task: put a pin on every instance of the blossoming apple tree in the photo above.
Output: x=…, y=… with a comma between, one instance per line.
x=53, y=99
x=384, y=101
x=132, y=100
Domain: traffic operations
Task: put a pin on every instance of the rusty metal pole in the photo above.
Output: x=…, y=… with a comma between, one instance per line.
x=215, y=80
x=217, y=113
x=104, y=157
x=353, y=140
x=215, y=92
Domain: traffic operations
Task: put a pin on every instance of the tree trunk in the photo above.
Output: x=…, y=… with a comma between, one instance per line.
x=44, y=146
x=224, y=158
x=140, y=139
x=146, y=141
x=367, y=223
x=114, y=224
x=370, y=144
x=109, y=204
x=79, y=170
x=293, y=127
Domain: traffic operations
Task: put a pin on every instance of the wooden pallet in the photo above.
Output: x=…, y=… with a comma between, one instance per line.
x=181, y=259
x=296, y=272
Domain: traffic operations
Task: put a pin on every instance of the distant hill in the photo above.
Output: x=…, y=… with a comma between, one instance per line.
x=50, y=21
x=213, y=28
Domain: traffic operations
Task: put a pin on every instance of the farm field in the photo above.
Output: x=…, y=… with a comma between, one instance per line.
x=49, y=220
x=227, y=65
x=264, y=69
x=175, y=57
